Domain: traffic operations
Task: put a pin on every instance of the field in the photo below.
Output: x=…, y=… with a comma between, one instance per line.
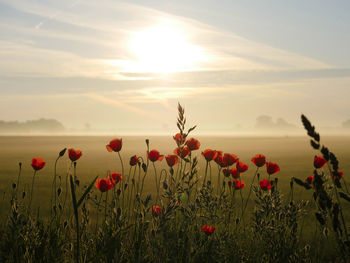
x=293, y=155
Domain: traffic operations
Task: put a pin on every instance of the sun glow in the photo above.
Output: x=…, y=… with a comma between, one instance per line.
x=164, y=49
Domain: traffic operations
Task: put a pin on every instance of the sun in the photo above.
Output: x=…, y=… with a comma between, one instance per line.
x=163, y=49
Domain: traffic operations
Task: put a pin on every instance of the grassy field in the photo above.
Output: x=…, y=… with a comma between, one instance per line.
x=293, y=154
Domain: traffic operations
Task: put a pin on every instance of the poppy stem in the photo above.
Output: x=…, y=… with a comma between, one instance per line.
x=132, y=190
x=98, y=208
x=121, y=162
x=340, y=206
x=250, y=190
x=219, y=185
x=122, y=182
x=106, y=200
x=206, y=171
x=240, y=192
x=156, y=176
x=210, y=173
x=19, y=174
x=55, y=185
x=31, y=192
x=65, y=196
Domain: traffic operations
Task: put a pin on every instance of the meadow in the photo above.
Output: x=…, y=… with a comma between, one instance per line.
x=166, y=221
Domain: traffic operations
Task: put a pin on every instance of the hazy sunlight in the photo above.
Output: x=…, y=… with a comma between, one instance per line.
x=163, y=49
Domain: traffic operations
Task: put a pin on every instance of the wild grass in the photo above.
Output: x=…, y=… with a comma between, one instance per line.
x=189, y=212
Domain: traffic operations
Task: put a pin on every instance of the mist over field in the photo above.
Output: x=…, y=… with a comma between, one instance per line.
x=264, y=126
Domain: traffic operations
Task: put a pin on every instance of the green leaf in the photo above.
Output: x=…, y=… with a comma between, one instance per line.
x=86, y=191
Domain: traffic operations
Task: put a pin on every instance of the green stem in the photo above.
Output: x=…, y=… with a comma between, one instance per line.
x=250, y=190
x=31, y=192
x=206, y=171
x=19, y=174
x=156, y=176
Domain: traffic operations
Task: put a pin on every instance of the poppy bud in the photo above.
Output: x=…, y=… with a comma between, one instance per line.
x=62, y=152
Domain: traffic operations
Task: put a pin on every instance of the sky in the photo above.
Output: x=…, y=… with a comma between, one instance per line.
x=122, y=66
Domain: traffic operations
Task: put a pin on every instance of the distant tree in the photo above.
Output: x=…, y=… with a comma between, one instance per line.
x=265, y=122
x=31, y=126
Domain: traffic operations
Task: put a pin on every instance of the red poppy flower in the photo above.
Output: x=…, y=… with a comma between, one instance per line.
x=310, y=179
x=38, y=163
x=74, y=154
x=209, y=154
x=182, y=153
x=220, y=160
x=241, y=167
x=115, y=145
x=104, y=184
x=219, y=153
x=193, y=144
x=319, y=162
x=134, y=160
x=171, y=159
x=231, y=172
x=259, y=160
x=115, y=177
x=235, y=173
x=338, y=174
x=157, y=211
x=238, y=184
x=179, y=140
x=208, y=230
x=229, y=159
x=272, y=168
x=265, y=184
x=154, y=156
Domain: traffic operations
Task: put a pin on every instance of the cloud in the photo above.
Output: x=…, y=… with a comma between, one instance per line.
x=79, y=34
x=118, y=104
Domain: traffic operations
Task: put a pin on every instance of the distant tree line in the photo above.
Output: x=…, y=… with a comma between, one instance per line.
x=31, y=126
x=265, y=122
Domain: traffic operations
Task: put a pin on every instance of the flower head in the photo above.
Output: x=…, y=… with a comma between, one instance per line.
x=231, y=172
x=229, y=159
x=171, y=159
x=238, y=184
x=272, y=168
x=115, y=177
x=179, y=139
x=104, y=184
x=74, y=154
x=319, y=162
x=134, y=160
x=208, y=230
x=38, y=163
x=235, y=173
x=193, y=144
x=310, y=179
x=265, y=184
x=182, y=153
x=241, y=167
x=259, y=160
x=154, y=156
x=209, y=154
x=157, y=211
x=219, y=159
x=115, y=145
